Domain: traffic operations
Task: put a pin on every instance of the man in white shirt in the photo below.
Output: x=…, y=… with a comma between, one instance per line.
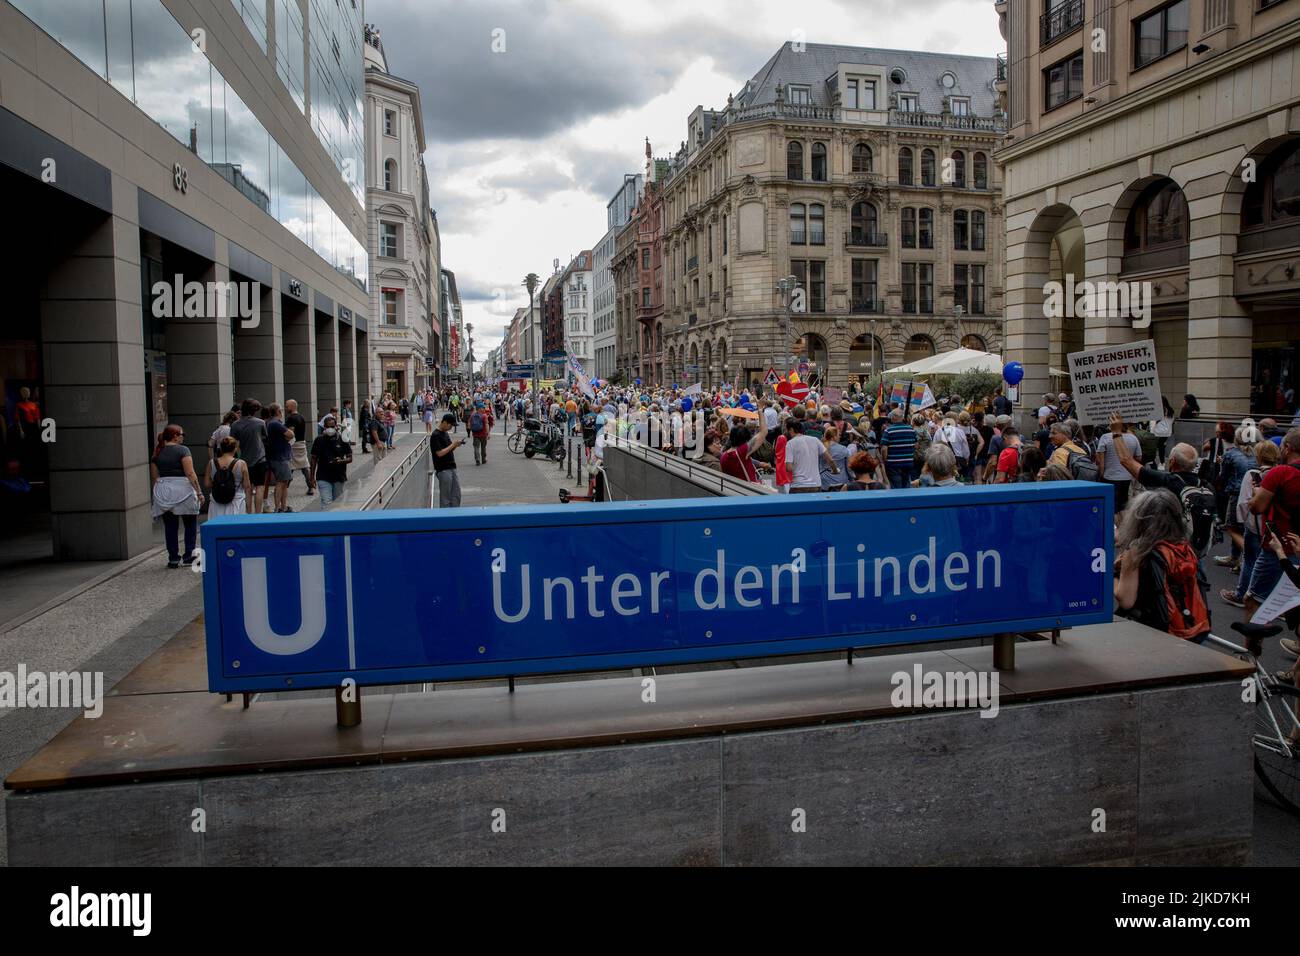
x=1047, y=409
x=803, y=455
x=1112, y=467
x=770, y=416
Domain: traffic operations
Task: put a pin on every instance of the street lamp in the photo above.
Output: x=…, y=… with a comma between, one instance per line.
x=786, y=287
x=531, y=282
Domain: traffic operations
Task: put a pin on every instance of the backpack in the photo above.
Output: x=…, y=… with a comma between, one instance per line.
x=1200, y=506
x=923, y=443
x=1147, y=442
x=1179, y=601
x=476, y=422
x=223, y=484
x=1081, y=467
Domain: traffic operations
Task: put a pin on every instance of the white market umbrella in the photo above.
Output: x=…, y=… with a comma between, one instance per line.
x=951, y=363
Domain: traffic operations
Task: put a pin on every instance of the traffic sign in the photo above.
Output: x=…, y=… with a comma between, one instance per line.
x=308, y=600
x=771, y=378
x=793, y=393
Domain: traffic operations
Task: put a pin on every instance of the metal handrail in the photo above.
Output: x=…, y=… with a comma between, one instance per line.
x=696, y=474
x=376, y=500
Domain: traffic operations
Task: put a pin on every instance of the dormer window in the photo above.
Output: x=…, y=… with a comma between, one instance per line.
x=959, y=105
x=909, y=103
x=859, y=93
x=800, y=95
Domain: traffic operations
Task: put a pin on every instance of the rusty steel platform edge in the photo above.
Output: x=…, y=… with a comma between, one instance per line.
x=712, y=721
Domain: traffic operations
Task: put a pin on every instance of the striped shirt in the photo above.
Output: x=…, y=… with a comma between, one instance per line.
x=900, y=441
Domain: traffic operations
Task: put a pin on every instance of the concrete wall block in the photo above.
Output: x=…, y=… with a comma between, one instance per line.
x=85, y=277
x=871, y=791
x=653, y=804
x=140, y=825
x=1196, y=786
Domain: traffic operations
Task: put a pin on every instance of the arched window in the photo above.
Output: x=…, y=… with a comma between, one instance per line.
x=927, y=167
x=959, y=169
x=977, y=230
x=908, y=221
x=1274, y=197
x=925, y=228
x=981, y=171
x=390, y=175
x=866, y=357
x=862, y=158
x=905, y=166
x=960, y=229
x=816, y=224
x=798, y=224
x=863, y=224
x=1158, y=218
x=973, y=341
x=819, y=162
x=794, y=160
x=918, y=347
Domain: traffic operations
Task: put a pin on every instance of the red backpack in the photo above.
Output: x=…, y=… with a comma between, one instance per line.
x=1178, y=600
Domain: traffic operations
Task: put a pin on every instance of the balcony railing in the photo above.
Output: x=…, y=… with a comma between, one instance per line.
x=865, y=239
x=830, y=114
x=1060, y=20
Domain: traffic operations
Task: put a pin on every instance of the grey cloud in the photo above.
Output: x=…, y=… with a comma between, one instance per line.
x=560, y=66
x=534, y=180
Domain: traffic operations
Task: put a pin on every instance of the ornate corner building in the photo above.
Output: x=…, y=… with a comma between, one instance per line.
x=1157, y=145
x=867, y=174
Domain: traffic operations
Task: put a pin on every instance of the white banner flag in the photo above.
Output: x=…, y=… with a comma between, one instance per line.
x=580, y=375
x=695, y=389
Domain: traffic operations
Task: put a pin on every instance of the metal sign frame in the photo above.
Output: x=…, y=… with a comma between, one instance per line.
x=409, y=595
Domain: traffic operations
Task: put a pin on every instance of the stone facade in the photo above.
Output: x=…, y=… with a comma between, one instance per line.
x=404, y=251
x=733, y=191
x=1140, y=172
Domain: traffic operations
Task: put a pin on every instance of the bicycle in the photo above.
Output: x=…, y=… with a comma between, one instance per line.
x=1277, y=752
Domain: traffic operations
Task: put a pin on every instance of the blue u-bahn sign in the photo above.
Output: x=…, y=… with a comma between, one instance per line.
x=307, y=600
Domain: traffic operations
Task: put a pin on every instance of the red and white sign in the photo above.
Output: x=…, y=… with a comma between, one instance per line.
x=792, y=394
x=771, y=378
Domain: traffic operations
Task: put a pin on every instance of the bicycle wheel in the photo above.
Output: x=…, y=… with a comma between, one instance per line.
x=1275, y=717
x=516, y=442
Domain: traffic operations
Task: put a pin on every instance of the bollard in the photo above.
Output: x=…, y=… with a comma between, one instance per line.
x=1004, y=652
x=348, y=713
x=581, y=449
x=569, y=457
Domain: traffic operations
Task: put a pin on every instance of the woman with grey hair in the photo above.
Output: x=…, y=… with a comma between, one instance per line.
x=1158, y=575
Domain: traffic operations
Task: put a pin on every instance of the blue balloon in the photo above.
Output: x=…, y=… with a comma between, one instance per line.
x=686, y=404
x=1013, y=372
x=857, y=407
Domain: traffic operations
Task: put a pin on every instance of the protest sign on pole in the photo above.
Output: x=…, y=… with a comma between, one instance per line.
x=1116, y=378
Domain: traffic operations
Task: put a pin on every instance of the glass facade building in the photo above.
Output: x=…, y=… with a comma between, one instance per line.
x=139, y=47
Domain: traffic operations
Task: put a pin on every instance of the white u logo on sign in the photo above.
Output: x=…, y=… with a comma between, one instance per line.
x=311, y=598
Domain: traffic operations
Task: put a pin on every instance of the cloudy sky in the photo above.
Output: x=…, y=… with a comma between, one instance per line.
x=526, y=146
